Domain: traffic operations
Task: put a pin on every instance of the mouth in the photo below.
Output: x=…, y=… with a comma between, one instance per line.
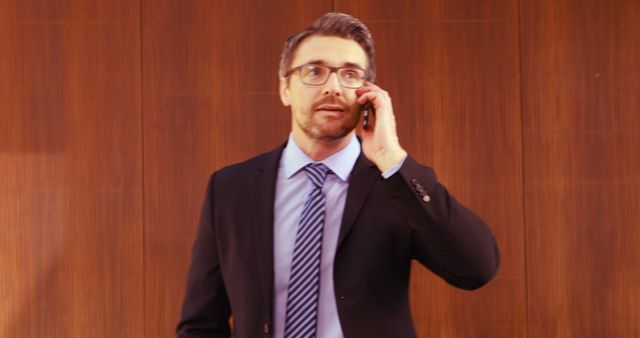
x=331, y=108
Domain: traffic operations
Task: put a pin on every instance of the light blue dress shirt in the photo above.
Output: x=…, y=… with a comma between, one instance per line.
x=292, y=189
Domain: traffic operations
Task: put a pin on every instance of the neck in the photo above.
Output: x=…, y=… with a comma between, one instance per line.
x=318, y=150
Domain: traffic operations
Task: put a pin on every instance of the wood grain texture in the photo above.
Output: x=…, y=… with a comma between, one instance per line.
x=210, y=99
x=70, y=169
x=581, y=79
x=451, y=68
x=86, y=141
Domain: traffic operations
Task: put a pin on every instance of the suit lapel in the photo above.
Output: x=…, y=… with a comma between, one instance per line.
x=263, y=189
x=363, y=176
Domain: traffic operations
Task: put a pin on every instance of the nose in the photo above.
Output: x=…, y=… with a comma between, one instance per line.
x=332, y=87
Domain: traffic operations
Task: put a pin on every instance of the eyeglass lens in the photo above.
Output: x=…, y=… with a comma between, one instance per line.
x=318, y=75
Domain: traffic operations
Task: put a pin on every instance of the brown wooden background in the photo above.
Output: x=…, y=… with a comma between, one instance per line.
x=114, y=112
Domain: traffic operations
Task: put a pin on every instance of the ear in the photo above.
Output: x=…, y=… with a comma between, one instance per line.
x=284, y=92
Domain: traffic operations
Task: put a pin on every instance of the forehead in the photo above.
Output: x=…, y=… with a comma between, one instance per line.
x=331, y=50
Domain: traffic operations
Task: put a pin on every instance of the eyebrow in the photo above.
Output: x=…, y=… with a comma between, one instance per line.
x=345, y=64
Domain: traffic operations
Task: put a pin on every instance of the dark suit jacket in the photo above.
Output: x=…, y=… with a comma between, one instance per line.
x=386, y=224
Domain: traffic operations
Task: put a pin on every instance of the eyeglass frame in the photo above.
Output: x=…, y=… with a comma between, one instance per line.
x=332, y=70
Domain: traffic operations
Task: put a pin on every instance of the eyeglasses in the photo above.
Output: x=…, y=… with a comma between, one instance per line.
x=317, y=75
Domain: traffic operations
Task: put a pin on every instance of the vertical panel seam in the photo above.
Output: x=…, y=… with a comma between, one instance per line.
x=142, y=176
x=523, y=172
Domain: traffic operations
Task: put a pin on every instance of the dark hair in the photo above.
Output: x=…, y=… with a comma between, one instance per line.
x=332, y=24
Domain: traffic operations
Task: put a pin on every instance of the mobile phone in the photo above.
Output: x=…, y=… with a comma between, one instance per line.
x=366, y=110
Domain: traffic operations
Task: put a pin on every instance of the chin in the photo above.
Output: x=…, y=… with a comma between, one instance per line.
x=332, y=130
x=329, y=134
x=324, y=129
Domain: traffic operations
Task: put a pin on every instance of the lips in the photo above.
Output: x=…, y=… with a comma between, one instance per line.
x=331, y=107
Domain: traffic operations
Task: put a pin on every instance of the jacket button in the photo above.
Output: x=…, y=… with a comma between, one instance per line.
x=426, y=198
x=266, y=328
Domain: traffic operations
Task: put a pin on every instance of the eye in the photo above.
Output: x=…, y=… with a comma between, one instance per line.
x=351, y=74
x=313, y=71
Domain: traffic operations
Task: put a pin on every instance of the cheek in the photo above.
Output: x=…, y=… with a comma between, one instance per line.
x=350, y=98
x=303, y=98
x=302, y=106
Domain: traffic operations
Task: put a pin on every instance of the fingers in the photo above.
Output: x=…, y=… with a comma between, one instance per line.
x=369, y=93
x=380, y=100
x=368, y=87
x=368, y=97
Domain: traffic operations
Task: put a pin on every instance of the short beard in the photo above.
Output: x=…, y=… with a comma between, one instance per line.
x=316, y=132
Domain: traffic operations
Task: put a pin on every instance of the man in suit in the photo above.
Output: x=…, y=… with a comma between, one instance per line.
x=316, y=238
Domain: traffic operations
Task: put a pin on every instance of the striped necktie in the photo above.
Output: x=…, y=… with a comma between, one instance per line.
x=304, y=282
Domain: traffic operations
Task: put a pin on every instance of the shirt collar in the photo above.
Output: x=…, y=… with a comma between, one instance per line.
x=340, y=163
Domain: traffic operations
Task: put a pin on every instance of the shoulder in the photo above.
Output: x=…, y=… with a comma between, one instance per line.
x=264, y=162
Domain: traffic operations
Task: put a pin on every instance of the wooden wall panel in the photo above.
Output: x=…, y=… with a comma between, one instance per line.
x=70, y=169
x=581, y=122
x=78, y=121
x=210, y=99
x=451, y=68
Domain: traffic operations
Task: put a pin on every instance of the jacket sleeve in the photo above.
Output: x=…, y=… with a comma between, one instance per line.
x=447, y=237
x=206, y=309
